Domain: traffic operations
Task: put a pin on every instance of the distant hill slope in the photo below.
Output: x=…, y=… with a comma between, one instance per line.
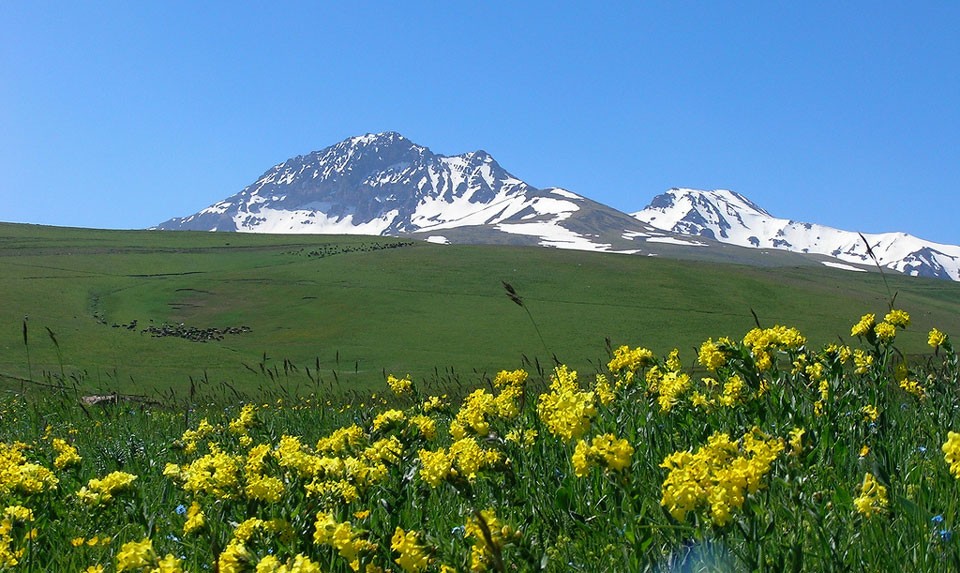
x=731, y=218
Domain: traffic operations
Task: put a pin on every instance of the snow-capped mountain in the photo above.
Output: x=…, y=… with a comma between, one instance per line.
x=384, y=184
x=731, y=218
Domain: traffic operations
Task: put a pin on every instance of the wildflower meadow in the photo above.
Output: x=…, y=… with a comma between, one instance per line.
x=745, y=454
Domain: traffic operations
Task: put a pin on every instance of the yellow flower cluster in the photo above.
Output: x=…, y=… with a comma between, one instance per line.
x=913, y=387
x=490, y=537
x=522, y=437
x=400, y=386
x=465, y=458
x=897, y=318
x=481, y=407
x=712, y=355
x=764, y=341
x=864, y=325
x=510, y=378
x=862, y=361
x=344, y=440
x=566, y=410
x=719, y=475
x=388, y=419
x=884, y=331
x=873, y=497
x=17, y=474
x=13, y=517
x=605, y=450
x=629, y=361
x=671, y=386
x=951, y=453
x=796, y=441
x=245, y=420
x=413, y=556
x=101, y=491
x=237, y=557
x=196, y=520
x=297, y=564
x=342, y=537
x=140, y=556
x=67, y=455
x=191, y=438
x=936, y=339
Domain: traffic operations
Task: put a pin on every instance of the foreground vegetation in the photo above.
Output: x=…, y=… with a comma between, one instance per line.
x=757, y=453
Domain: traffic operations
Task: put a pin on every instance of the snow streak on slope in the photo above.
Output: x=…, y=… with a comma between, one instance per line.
x=729, y=217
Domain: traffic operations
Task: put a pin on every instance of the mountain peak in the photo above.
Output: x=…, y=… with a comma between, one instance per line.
x=729, y=217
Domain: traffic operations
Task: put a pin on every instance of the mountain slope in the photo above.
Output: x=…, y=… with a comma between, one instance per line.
x=731, y=218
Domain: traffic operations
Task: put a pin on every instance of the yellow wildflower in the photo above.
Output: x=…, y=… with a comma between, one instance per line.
x=433, y=403
x=66, y=454
x=873, y=497
x=862, y=361
x=566, y=410
x=400, y=386
x=135, y=555
x=510, y=378
x=711, y=356
x=425, y=424
x=522, y=437
x=898, y=318
x=603, y=390
x=913, y=387
x=386, y=419
x=864, y=326
x=630, y=360
x=605, y=450
x=245, y=420
x=435, y=466
x=885, y=331
x=796, y=441
x=719, y=475
x=936, y=338
x=672, y=386
x=482, y=553
x=101, y=491
x=195, y=519
x=413, y=556
x=951, y=453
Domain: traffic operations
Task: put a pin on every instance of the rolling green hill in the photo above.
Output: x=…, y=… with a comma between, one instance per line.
x=362, y=306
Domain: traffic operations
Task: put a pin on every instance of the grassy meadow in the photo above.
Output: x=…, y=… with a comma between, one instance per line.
x=392, y=409
x=360, y=307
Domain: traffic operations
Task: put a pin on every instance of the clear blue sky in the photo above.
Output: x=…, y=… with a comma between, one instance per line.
x=124, y=114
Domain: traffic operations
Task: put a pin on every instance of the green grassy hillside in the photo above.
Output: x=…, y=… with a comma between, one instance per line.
x=359, y=306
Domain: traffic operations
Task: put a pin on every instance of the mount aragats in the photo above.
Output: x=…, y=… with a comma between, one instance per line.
x=384, y=184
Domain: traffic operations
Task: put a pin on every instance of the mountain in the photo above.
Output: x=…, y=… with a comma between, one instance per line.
x=731, y=218
x=384, y=184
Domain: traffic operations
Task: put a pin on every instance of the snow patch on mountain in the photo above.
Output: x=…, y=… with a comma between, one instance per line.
x=843, y=266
